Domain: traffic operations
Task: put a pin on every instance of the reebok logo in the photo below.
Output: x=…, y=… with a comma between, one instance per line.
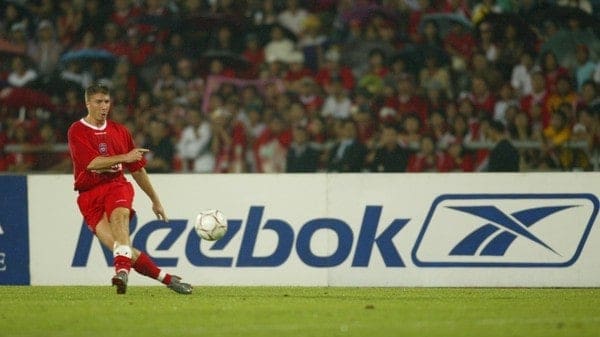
x=505, y=230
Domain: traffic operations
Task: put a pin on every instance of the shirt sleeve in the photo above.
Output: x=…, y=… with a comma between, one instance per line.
x=135, y=166
x=82, y=151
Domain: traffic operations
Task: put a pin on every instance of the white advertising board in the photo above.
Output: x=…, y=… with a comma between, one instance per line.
x=341, y=230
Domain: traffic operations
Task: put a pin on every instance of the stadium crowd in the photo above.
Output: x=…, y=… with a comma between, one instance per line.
x=306, y=86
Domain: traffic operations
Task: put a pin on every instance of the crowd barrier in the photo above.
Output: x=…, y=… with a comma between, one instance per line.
x=409, y=230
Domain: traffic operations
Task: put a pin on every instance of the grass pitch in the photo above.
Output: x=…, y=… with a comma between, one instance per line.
x=298, y=311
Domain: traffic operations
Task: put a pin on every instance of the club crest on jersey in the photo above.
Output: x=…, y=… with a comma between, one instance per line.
x=103, y=148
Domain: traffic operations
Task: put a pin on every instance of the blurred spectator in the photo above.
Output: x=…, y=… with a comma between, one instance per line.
x=414, y=21
x=293, y=16
x=265, y=14
x=521, y=74
x=309, y=95
x=552, y=70
x=333, y=69
x=505, y=100
x=520, y=130
x=434, y=75
x=389, y=155
x=588, y=97
x=460, y=44
x=456, y=159
x=158, y=10
x=194, y=85
x=504, y=157
x=167, y=79
x=296, y=71
x=95, y=16
x=17, y=38
x=337, y=103
x=71, y=109
x=564, y=94
x=556, y=135
x=404, y=102
x=535, y=103
x=270, y=148
x=482, y=97
x=68, y=22
x=125, y=80
x=587, y=131
x=229, y=142
x=430, y=35
x=193, y=146
x=426, y=158
x=486, y=43
x=302, y=156
x=512, y=45
x=113, y=41
x=585, y=67
x=139, y=51
x=411, y=131
x=224, y=41
x=482, y=67
x=279, y=47
x=312, y=41
x=45, y=50
x=22, y=160
x=47, y=160
x=347, y=153
x=124, y=13
x=254, y=53
x=162, y=150
x=14, y=19
x=21, y=74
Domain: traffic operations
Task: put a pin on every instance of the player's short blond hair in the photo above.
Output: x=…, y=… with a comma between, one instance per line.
x=96, y=89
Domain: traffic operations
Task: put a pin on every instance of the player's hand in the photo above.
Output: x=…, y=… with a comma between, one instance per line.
x=135, y=155
x=160, y=212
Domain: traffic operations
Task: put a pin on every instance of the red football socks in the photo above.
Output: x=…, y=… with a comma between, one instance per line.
x=145, y=266
x=122, y=263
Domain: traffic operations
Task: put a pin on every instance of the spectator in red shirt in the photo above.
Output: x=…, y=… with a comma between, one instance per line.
x=112, y=40
x=454, y=159
x=406, y=101
x=229, y=142
x=535, y=104
x=481, y=96
x=552, y=70
x=296, y=71
x=332, y=68
x=270, y=149
x=254, y=54
x=460, y=44
x=137, y=50
x=426, y=159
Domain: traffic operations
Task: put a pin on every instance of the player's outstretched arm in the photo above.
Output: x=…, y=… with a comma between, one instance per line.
x=141, y=178
x=106, y=162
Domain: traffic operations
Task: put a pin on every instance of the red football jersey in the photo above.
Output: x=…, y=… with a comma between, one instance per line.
x=87, y=142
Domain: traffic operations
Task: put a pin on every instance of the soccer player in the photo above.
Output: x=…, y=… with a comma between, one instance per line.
x=101, y=149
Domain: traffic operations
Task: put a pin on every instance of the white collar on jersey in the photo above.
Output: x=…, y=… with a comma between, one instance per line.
x=100, y=128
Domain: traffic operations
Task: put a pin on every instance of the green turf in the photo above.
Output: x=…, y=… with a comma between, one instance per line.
x=298, y=311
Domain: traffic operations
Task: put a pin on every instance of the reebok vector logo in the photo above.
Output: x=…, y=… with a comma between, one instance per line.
x=505, y=230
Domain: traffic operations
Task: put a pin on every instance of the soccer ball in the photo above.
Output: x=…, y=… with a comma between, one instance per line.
x=211, y=225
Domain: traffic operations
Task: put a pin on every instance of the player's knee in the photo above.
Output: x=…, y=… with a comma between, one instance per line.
x=120, y=214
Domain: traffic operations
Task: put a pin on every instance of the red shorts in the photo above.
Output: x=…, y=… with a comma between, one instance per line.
x=103, y=199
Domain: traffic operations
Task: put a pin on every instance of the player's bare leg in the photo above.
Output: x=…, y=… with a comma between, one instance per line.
x=122, y=252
